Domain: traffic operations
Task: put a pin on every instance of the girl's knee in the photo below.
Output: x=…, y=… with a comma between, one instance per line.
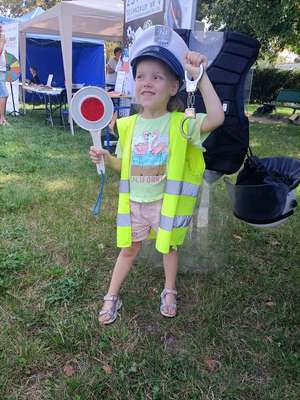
x=172, y=252
x=131, y=251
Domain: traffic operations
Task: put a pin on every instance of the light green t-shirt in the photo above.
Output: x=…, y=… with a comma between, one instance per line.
x=149, y=155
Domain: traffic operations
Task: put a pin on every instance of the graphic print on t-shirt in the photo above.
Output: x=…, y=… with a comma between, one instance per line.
x=149, y=157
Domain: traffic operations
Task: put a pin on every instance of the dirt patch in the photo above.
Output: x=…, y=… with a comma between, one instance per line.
x=269, y=119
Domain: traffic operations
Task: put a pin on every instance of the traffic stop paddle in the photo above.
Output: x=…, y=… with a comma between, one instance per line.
x=92, y=109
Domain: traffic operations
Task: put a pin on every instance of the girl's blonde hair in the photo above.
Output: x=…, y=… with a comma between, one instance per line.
x=175, y=104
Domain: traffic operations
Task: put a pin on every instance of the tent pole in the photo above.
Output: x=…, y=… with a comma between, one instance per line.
x=65, y=28
x=23, y=64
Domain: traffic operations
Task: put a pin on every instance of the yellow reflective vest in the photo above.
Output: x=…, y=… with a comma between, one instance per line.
x=185, y=170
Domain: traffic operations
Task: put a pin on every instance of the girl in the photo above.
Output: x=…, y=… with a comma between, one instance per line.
x=161, y=170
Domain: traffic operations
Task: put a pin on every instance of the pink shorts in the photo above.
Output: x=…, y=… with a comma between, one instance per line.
x=144, y=216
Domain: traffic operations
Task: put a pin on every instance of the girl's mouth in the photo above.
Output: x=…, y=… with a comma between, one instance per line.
x=147, y=93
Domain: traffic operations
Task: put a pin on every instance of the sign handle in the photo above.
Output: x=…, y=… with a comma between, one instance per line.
x=96, y=136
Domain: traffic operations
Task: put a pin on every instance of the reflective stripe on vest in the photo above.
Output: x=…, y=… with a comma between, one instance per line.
x=179, y=221
x=181, y=188
x=124, y=186
x=123, y=220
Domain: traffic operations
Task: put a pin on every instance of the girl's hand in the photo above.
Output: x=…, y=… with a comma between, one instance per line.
x=192, y=62
x=96, y=154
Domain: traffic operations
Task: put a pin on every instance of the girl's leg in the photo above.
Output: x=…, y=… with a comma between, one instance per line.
x=2, y=109
x=122, y=267
x=3, y=101
x=171, y=268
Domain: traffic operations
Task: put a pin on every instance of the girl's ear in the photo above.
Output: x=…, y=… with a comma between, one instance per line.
x=174, y=88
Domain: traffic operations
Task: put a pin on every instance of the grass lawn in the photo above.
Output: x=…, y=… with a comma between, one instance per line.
x=237, y=333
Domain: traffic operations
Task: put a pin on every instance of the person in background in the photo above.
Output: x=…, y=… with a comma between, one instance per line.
x=111, y=68
x=3, y=88
x=34, y=76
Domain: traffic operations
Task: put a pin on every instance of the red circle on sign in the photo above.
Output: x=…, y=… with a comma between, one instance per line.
x=92, y=109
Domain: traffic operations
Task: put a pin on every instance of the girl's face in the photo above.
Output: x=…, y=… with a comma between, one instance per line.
x=154, y=86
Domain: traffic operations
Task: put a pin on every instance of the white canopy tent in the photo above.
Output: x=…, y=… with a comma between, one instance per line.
x=98, y=19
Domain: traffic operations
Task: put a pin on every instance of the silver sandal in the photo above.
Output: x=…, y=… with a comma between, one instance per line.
x=113, y=311
x=164, y=305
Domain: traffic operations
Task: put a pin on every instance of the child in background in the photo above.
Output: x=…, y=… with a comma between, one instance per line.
x=35, y=80
x=161, y=171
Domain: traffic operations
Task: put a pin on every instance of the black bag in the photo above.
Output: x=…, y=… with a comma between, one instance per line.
x=264, y=193
x=264, y=110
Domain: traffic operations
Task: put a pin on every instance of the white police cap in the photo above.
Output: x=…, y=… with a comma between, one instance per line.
x=163, y=43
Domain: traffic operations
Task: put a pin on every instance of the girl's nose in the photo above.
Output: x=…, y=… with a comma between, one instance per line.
x=147, y=83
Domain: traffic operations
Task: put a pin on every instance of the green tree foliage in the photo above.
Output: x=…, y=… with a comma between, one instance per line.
x=268, y=81
x=276, y=23
x=17, y=8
